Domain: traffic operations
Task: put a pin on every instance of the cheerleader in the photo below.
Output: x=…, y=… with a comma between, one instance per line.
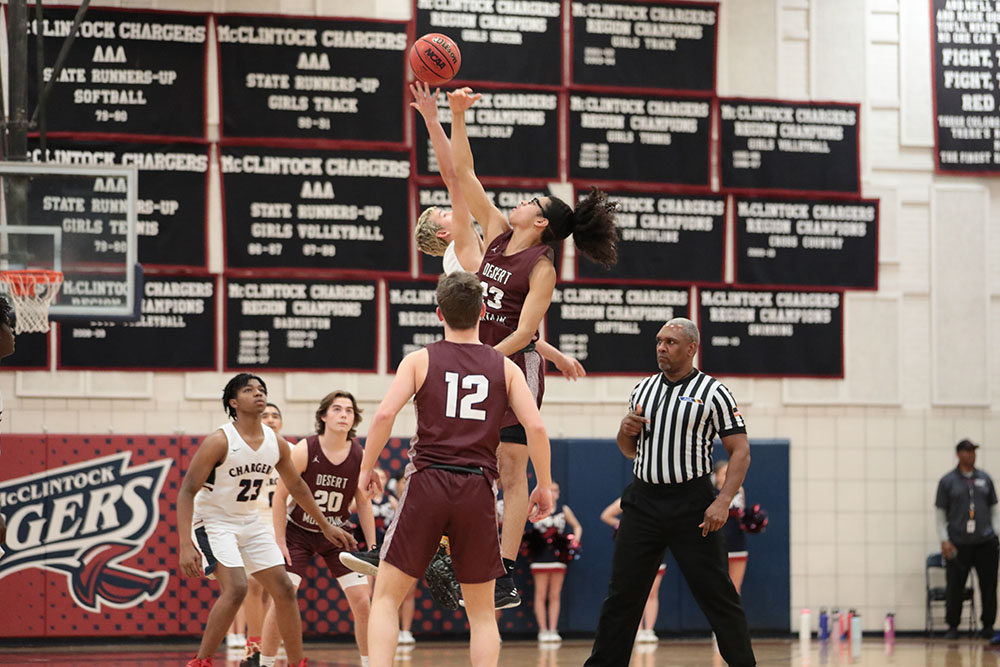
x=646, y=634
x=732, y=530
x=554, y=547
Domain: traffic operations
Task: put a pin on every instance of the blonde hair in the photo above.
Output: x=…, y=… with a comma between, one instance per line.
x=428, y=242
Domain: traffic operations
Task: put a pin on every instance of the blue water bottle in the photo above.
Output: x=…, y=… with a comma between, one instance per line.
x=824, y=624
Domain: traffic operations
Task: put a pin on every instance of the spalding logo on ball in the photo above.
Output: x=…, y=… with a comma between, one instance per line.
x=435, y=59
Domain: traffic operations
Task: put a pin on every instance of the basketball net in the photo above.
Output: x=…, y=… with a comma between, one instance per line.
x=32, y=292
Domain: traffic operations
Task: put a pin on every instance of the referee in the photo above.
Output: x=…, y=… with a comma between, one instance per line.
x=673, y=418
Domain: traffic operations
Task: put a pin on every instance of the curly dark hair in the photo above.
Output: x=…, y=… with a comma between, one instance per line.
x=592, y=225
x=233, y=387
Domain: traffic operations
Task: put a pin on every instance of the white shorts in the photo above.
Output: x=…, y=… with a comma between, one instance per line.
x=345, y=580
x=236, y=543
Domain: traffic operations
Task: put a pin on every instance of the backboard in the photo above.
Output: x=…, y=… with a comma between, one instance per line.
x=78, y=219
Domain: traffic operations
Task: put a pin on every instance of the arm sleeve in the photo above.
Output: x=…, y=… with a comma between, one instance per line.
x=728, y=419
x=995, y=518
x=941, y=523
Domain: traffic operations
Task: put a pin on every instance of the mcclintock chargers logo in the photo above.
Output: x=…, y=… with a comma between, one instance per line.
x=83, y=520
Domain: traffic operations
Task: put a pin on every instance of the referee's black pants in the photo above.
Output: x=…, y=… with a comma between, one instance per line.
x=657, y=517
x=985, y=557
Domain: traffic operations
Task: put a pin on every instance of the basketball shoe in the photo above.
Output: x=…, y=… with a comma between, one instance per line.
x=365, y=562
x=201, y=662
x=505, y=593
x=440, y=578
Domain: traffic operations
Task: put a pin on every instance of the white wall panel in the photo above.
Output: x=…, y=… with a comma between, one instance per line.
x=888, y=218
x=958, y=299
x=872, y=349
x=916, y=116
x=748, y=49
x=837, y=50
x=914, y=248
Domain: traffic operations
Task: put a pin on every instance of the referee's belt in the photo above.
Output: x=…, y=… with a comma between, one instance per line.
x=530, y=347
x=465, y=470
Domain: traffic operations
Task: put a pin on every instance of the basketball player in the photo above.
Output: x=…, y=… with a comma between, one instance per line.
x=329, y=463
x=518, y=277
x=215, y=506
x=257, y=600
x=460, y=246
x=461, y=390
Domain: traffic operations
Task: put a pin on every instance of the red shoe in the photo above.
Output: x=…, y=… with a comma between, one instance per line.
x=201, y=662
x=301, y=663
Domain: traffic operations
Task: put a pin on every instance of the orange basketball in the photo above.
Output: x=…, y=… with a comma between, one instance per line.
x=435, y=59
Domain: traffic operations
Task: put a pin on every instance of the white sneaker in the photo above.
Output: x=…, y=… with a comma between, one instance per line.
x=406, y=637
x=554, y=636
x=234, y=640
x=543, y=635
x=648, y=636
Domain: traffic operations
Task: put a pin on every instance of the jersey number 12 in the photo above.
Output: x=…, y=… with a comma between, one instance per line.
x=466, y=408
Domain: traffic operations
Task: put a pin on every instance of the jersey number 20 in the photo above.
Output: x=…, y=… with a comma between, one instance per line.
x=466, y=408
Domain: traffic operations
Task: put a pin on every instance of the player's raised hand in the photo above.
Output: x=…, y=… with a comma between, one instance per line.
x=633, y=422
x=462, y=99
x=424, y=101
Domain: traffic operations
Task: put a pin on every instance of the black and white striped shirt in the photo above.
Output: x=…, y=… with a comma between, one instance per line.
x=684, y=419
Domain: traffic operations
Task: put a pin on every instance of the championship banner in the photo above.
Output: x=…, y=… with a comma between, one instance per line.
x=87, y=552
x=673, y=238
x=771, y=333
x=807, y=242
x=304, y=325
x=311, y=79
x=603, y=325
x=502, y=41
x=413, y=321
x=503, y=198
x=176, y=331
x=663, y=45
x=512, y=133
x=172, y=183
x=772, y=145
x=639, y=138
x=126, y=73
x=964, y=39
x=307, y=209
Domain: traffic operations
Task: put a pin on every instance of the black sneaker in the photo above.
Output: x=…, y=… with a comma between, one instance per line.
x=253, y=657
x=365, y=562
x=951, y=633
x=505, y=594
x=441, y=582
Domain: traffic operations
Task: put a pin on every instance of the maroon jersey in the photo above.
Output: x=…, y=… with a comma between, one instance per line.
x=460, y=406
x=505, y=280
x=333, y=486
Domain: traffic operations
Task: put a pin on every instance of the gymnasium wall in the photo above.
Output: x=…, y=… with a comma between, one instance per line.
x=865, y=451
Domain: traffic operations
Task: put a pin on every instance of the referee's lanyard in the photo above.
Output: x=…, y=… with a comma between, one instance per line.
x=970, y=525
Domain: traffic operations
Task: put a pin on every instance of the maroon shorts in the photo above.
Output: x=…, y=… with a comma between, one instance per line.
x=304, y=544
x=438, y=502
x=533, y=366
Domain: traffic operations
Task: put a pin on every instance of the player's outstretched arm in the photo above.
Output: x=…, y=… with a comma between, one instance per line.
x=523, y=404
x=210, y=453
x=409, y=376
x=426, y=105
x=297, y=486
x=570, y=367
x=489, y=216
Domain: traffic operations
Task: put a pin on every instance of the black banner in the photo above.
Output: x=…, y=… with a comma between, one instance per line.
x=514, y=42
x=413, y=320
x=171, y=207
x=965, y=36
x=176, y=331
x=127, y=72
x=612, y=328
x=308, y=325
x=665, y=237
x=316, y=209
x=807, y=242
x=639, y=138
x=513, y=134
x=31, y=352
x=312, y=78
x=503, y=198
x=772, y=333
x=665, y=45
x=801, y=146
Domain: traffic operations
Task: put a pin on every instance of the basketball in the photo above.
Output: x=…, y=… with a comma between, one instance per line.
x=435, y=59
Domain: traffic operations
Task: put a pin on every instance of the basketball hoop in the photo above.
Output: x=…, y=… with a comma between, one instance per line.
x=32, y=291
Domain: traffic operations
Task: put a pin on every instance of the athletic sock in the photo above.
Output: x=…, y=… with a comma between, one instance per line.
x=364, y=661
x=509, y=565
x=267, y=661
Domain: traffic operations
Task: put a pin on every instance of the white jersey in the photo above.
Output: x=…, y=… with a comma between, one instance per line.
x=234, y=486
x=451, y=263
